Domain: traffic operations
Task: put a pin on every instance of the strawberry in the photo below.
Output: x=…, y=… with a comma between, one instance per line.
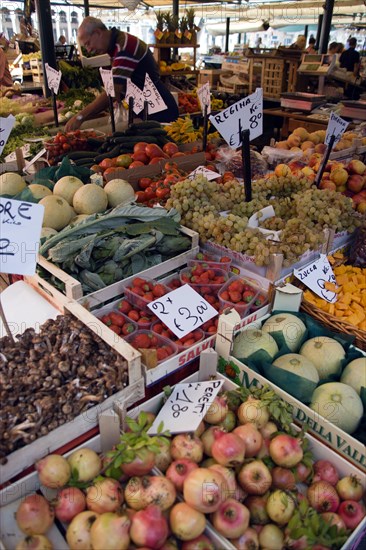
x=248, y=296
x=127, y=328
x=158, y=290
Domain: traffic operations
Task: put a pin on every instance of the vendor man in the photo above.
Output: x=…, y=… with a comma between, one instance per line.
x=350, y=59
x=131, y=58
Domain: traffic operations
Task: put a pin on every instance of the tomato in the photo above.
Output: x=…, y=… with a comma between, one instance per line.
x=155, y=160
x=123, y=160
x=110, y=170
x=149, y=193
x=170, y=148
x=106, y=163
x=162, y=192
x=152, y=150
x=145, y=182
x=141, y=157
x=140, y=146
x=179, y=154
x=135, y=164
x=140, y=196
x=170, y=165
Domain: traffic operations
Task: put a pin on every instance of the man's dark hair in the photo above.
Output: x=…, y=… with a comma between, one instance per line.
x=312, y=40
x=333, y=45
x=352, y=42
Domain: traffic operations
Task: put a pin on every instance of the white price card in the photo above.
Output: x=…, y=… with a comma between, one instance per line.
x=204, y=95
x=53, y=78
x=182, y=310
x=34, y=159
x=203, y=171
x=316, y=275
x=152, y=96
x=336, y=127
x=21, y=224
x=186, y=406
x=137, y=94
x=25, y=151
x=107, y=78
x=6, y=126
x=245, y=114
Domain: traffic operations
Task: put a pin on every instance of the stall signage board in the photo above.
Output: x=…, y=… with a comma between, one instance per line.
x=186, y=406
x=203, y=171
x=182, y=310
x=336, y=127
x=138, y=97
x=205, y=97
x=6, y=126
x=107, y=78
x=152, y=96
x=53, y=78
x=316, y=275
x=245, y=114
x=21, y=225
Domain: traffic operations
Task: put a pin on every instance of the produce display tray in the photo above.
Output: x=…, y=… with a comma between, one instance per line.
x=11, y=496
x=22, y=458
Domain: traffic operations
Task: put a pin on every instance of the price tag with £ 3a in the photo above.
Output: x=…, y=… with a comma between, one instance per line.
x=6, y=126
x=107, y=78
x=186, y=406
x=319, y=277
x=182, y=310
x=336, y=127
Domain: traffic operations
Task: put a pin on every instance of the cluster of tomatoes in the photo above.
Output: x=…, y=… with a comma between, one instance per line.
x=65, y=142
x=157, y=189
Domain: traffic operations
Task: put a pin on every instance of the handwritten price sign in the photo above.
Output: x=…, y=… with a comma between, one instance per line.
x=247, y=113
x=53, y=78
x=107, y=78
x=138, y=97
x=20, y=230
x=187, y=405
x=152, y=96
x=203, y=171
x=6, y=126
x=316, y=275
x=336, y=127
x=182, y=310
x=205, y=97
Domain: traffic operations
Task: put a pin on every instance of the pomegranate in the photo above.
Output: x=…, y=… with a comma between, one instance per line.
x=252, y=438
x=285, y=450
x=228, y=449
x=231, y=519
x=255, y=478
x=280, y=506
x=248, y=540
x=325, y=471
x=352, y=512
x=200, y=429
x=256, y=505
x=229, y=422
x=268, y=429
x=271, y=537
x=169, y=544
x=178, y=471
x=110, y=531
x=70, y=501
x=134, y=493
x=186, y=523
x=78, y=532
x=53, y=471
x=142, y=491
x=253, y=410
x=199, y=543
x=323, y=497
x=141, y=465
x=186, y=446
x=105, y=495
x=163, y=458
x=216, y=411
x=204, y=490
x=302, y=472
x=283, y=478
x=208, y=438
x=86, y=463
x=349, y=488
x=334, y=519
x=34, y=542
x=230, y=480
x=34, y=515
x=149, y=527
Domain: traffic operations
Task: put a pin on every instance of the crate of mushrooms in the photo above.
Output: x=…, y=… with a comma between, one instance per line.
x=54, y=382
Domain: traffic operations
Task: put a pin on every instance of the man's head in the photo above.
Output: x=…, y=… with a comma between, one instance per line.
x=312, y=41
x=93, y=35
x=352, y=42
x=301, y=41
x=332, y=48
x=62, y=39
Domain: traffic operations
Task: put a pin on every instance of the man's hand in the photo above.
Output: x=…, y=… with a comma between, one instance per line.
x=73, y=123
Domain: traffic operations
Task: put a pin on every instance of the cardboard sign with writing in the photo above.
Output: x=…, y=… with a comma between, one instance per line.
x=245, y=114
x=182, y=310
x=152, y=96
x=6, y=126
x=53, y=78
x=205, y=97
x=186, y=406
x=107, y=77
x=336, y=127
x=34, y=159
x=316, y=275
x=25, y=151
x=20, y=224
x=138, y=97
x=203, y=171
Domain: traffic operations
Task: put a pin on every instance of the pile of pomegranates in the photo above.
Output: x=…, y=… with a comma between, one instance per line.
x=252, y=478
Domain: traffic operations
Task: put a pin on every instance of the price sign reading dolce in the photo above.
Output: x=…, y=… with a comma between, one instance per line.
x=203, y=171
x=318, y=276
x=336, y=127
x=152, y=96
x=246, y=114
x=6, y=126
x=205, y=97
x=186, y=407
x=138, y=97
x=53, y=78
x=20, y=231
x=182, y=310
x=107, y=78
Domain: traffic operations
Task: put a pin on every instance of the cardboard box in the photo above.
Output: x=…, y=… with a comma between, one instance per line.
x=287, y=298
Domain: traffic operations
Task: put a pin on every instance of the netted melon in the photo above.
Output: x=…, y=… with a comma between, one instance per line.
x=90, y=199
x=326, y=353
x=297, y=364
x=11, y=184
x=252, y=340
x=39, y=191
x=66, y=187
x=48, y=232
x=57, y=212
x=119, y=191
x=291, y=327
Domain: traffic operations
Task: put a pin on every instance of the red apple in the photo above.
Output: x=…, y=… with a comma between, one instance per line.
x=355, y=183
x=356, y=167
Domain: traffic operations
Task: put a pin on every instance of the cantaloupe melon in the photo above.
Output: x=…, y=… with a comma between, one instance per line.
x=291, y=327
x=297, y=364
x=39, y=191
x=66, y=187
x=11, y=183
x=118, y=192
x=57, y=212
x=339, y=404
x=355, y=374
x=326, y=353
x=250, y=341
x=90, y=199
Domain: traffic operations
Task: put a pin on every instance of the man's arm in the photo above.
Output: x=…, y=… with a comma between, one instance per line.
x=99, y=104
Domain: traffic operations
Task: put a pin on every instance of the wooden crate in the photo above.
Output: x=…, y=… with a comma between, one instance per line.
x=235, y=89
x=23, y=458
x=291, y=76
x=37, y=71
x=237, y=66
x=212, y=76
x=273, y=78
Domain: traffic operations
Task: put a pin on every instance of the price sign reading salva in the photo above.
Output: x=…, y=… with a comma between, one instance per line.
x=182, y=310
x=107, y=78
x=319, y=277
x=53, y=78
x=203, y=171
x=245, y=114
x=20, y=231
x=336, y=127
x=152, y=96
x=138, y=97
x=205, y=97
x=187, y=405
x=6, y=126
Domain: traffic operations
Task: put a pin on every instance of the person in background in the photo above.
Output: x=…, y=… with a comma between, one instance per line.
x=131, y=58
x=332, y=48
x=350, y=59
x=5, y=76
x=311, y=47
x=61, y=41
x=340, y=48
x=300, y=43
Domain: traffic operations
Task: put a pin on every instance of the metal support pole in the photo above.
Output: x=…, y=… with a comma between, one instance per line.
x=306, y=31
x=175, y=7
x=318, y=31
x=86, y=8
x=327, y=22
x=43, y=9
x=227, y=34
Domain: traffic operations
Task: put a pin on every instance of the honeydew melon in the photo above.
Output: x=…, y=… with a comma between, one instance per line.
x=39, y=191
x=355, y=374
x=326, y=353
x=57, y=212
x=291, y=327
x=250, y=341
x=297, y=364
x=339, y=404
x=11, y=184
x=66, y=187
x=90, y=199
x=118, y=192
